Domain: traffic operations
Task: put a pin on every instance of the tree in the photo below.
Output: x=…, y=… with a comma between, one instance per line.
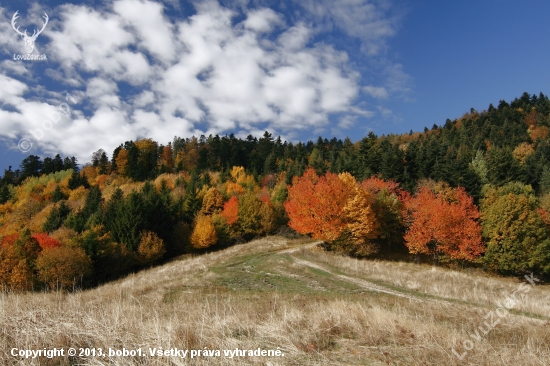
x=130, y=220
x=166, y=159
x=122, y=162
x=250, y=215
x=30, y=167
x=46, y=241
x=18, y=254
x=5, y=193
x=58, y=195
x=147, y=159
x=502, y=167
x=212, y=202
x=361, y=222
x=317, y=162
x=90, y=211
x=516, y=235
x=479, y=166
x=204, y=233
x=314, y=205
x=544, y=182
x=63, y=267
x=444, y=224
x=151, y=248
x=522, y=152
x=231, y=210
x=103, y=163
x=78, y=180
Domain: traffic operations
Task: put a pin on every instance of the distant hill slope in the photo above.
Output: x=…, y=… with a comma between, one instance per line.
x=317, y=307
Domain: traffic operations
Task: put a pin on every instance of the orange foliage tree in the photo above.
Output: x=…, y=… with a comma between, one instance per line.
x=444, y=225
x=46, y=241
x=18, y=255
x=315, y=205
x=231, y=210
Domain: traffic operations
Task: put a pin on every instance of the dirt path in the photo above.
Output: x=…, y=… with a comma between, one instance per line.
x=367, y=285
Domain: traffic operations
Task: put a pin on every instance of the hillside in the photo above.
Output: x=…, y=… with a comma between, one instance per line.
x=317, y=307
x=474, y=192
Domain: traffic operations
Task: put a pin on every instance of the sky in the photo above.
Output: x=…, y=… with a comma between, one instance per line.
x=128, y=69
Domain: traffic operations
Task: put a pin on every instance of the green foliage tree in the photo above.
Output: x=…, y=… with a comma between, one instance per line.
x=92, y=206
x=56, y=217
x=78, y=180
x=58, y=195
x=516, y=236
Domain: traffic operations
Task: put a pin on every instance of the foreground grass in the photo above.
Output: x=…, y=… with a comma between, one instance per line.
x=318, y=308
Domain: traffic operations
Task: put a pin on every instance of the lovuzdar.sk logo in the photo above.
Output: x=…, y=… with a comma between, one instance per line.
x=29, y=40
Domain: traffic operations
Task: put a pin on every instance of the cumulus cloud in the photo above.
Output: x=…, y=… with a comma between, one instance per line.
x=137, y=73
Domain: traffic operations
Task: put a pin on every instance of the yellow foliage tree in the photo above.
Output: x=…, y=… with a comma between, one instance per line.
x=212, y=202
x=151, y=248
x=523, y=151
x=237, y=173
x=122, y=161
x=361, y=222
x=204, y=233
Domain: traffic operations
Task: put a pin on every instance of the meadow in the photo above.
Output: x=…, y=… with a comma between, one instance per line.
x=317, y=307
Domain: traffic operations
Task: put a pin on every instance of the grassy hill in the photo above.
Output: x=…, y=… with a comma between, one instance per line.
x=317, y=307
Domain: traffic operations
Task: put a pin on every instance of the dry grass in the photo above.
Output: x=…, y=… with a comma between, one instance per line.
x=311, y=304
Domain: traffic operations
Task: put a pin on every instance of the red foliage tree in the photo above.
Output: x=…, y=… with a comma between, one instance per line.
x=9, y=240
x=231, y=210
x=374, y=185
x=46, y=241
x=446, y=226
x=315, y=205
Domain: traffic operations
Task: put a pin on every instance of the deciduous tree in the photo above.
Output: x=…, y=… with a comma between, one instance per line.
x=444, y=225
x=231, y=210
x=204, y=233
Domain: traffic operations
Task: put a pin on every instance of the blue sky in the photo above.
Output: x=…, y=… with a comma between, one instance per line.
x=300, y=69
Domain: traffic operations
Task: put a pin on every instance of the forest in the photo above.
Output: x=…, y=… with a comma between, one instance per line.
x=473, y=192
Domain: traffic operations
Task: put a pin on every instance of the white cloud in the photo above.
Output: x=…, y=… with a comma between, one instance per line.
x=376, y=91
x=154, y=31
x=385, y=112
x=136, y=73
x=397, y=79
x=372, y=21
x=262, y=20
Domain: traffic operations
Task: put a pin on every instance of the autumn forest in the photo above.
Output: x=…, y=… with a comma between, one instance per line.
x=472, y=192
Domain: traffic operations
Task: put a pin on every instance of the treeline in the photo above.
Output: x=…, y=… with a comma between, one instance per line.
x=458, y=193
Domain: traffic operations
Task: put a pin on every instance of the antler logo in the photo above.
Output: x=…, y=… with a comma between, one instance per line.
x=29, y=40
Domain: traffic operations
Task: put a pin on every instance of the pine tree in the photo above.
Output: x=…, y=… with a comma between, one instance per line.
x=78, y=180
x=58, y=195
x=56, y=217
